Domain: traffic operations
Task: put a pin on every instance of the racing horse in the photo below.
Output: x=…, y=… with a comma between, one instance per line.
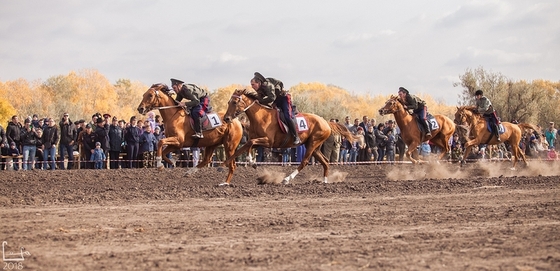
x=477, y=125
x=411, y=133
x=265, y=130
x=178, y=131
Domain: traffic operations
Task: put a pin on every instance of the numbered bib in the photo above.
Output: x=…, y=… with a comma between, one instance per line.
x=433, y=123
x=301, y=124
x=214, y=119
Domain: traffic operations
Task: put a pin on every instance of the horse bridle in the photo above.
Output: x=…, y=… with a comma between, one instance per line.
x=161, y=107
x=237, y=112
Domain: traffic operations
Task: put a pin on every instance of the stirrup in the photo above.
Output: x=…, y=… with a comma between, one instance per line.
x=297, y=141
x=199, y=135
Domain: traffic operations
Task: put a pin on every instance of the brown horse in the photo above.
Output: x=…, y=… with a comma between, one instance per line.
x=411, y=134
x=477, y=125
x=265, y=130
x=178, y=131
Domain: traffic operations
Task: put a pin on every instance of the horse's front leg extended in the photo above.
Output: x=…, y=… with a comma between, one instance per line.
x=262, y=141
x=170, y=142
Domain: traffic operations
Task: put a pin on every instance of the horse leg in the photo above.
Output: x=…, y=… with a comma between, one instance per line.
x=257, y=141
x=308, y=152
x=168, y=149
x=169, y=141
x=319, y=156
x=206, y=157
x=230, y=150
x=411, y=148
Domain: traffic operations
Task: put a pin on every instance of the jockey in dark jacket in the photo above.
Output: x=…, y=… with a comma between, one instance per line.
x=270, y=92
x=197, y=104
x=418, y=107
x=484, y=107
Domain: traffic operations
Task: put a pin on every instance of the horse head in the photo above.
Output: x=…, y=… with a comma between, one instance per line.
x=464, y=115
x=391, y=106
x=153, y=98
x=240, y=101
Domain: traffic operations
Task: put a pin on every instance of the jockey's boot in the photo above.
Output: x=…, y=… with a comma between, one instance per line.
x=293, y=130
x=197, y=128
x=497, y=132
x=427, y=127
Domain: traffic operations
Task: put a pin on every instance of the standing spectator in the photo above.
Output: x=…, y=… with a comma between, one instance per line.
x=3, y=147
x=551, y=154
x=362, y=147
x=102, y=135
x=147, y=140
x=151, y=120
x=390, y=149
x=29, y=142
x=550, y=135
x=98, y=156
x=381, y=141
x=286, y=153
x=353, y=152
x=35, y=121
x=328, y=148
x=365, y=123
x=354, y=128
x=345, y=147
x=132, y=138
x=195, y=156
x=159, y=123
x=13, y=133
x=116, y=140
x=88, y=140
x=399, y=143
x=347, y=122
x=68, y=136
x=371, y=144
x=425, y=150
x=38, y=149
x=50, y=139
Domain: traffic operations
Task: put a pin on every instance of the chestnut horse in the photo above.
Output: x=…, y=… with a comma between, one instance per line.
x=178, y=131
x=265, y=130
x=411, y=134
x=477, y=125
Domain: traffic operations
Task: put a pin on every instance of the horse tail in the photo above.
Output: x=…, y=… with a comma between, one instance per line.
x=526, y=126
x=341, y=130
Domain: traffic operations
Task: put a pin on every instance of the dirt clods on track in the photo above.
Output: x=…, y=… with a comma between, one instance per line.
x=369, y=217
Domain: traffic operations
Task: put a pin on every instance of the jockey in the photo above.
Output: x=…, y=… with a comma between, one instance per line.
x=197, y=104
x=418, y=107
x=485, y=108
x=270, y=91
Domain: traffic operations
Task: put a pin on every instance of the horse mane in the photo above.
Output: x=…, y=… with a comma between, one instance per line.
x=471, y=108
x=251, y=94
x=165, y=89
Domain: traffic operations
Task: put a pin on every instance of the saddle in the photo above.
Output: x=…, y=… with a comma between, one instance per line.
x=432, y=123
x=209, y=121
x=501, y=128
x=299, y=121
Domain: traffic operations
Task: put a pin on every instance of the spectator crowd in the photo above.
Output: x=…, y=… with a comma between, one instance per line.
x=108, y=142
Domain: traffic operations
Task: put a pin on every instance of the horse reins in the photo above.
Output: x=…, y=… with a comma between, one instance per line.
x=237, y=113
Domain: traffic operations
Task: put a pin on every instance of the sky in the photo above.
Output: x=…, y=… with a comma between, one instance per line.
x=365, y=47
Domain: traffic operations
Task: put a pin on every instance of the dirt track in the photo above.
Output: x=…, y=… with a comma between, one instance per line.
x=381, y=217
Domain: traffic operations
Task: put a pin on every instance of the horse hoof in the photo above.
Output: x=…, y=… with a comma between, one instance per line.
x=254, y=166
x=220, y=169
x=223, y=184
x=161, y=168
x=285, y=181
x=512, y=168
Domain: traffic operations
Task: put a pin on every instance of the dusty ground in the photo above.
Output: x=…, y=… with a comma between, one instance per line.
x=381, y=217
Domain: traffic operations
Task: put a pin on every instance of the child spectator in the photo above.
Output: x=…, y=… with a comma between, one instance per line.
x=425, y=150
x=147, y=141
x=390, y=148
x=98, y=156
x=14, y=153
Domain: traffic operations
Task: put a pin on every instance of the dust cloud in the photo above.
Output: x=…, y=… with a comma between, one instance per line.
x=482, y=168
